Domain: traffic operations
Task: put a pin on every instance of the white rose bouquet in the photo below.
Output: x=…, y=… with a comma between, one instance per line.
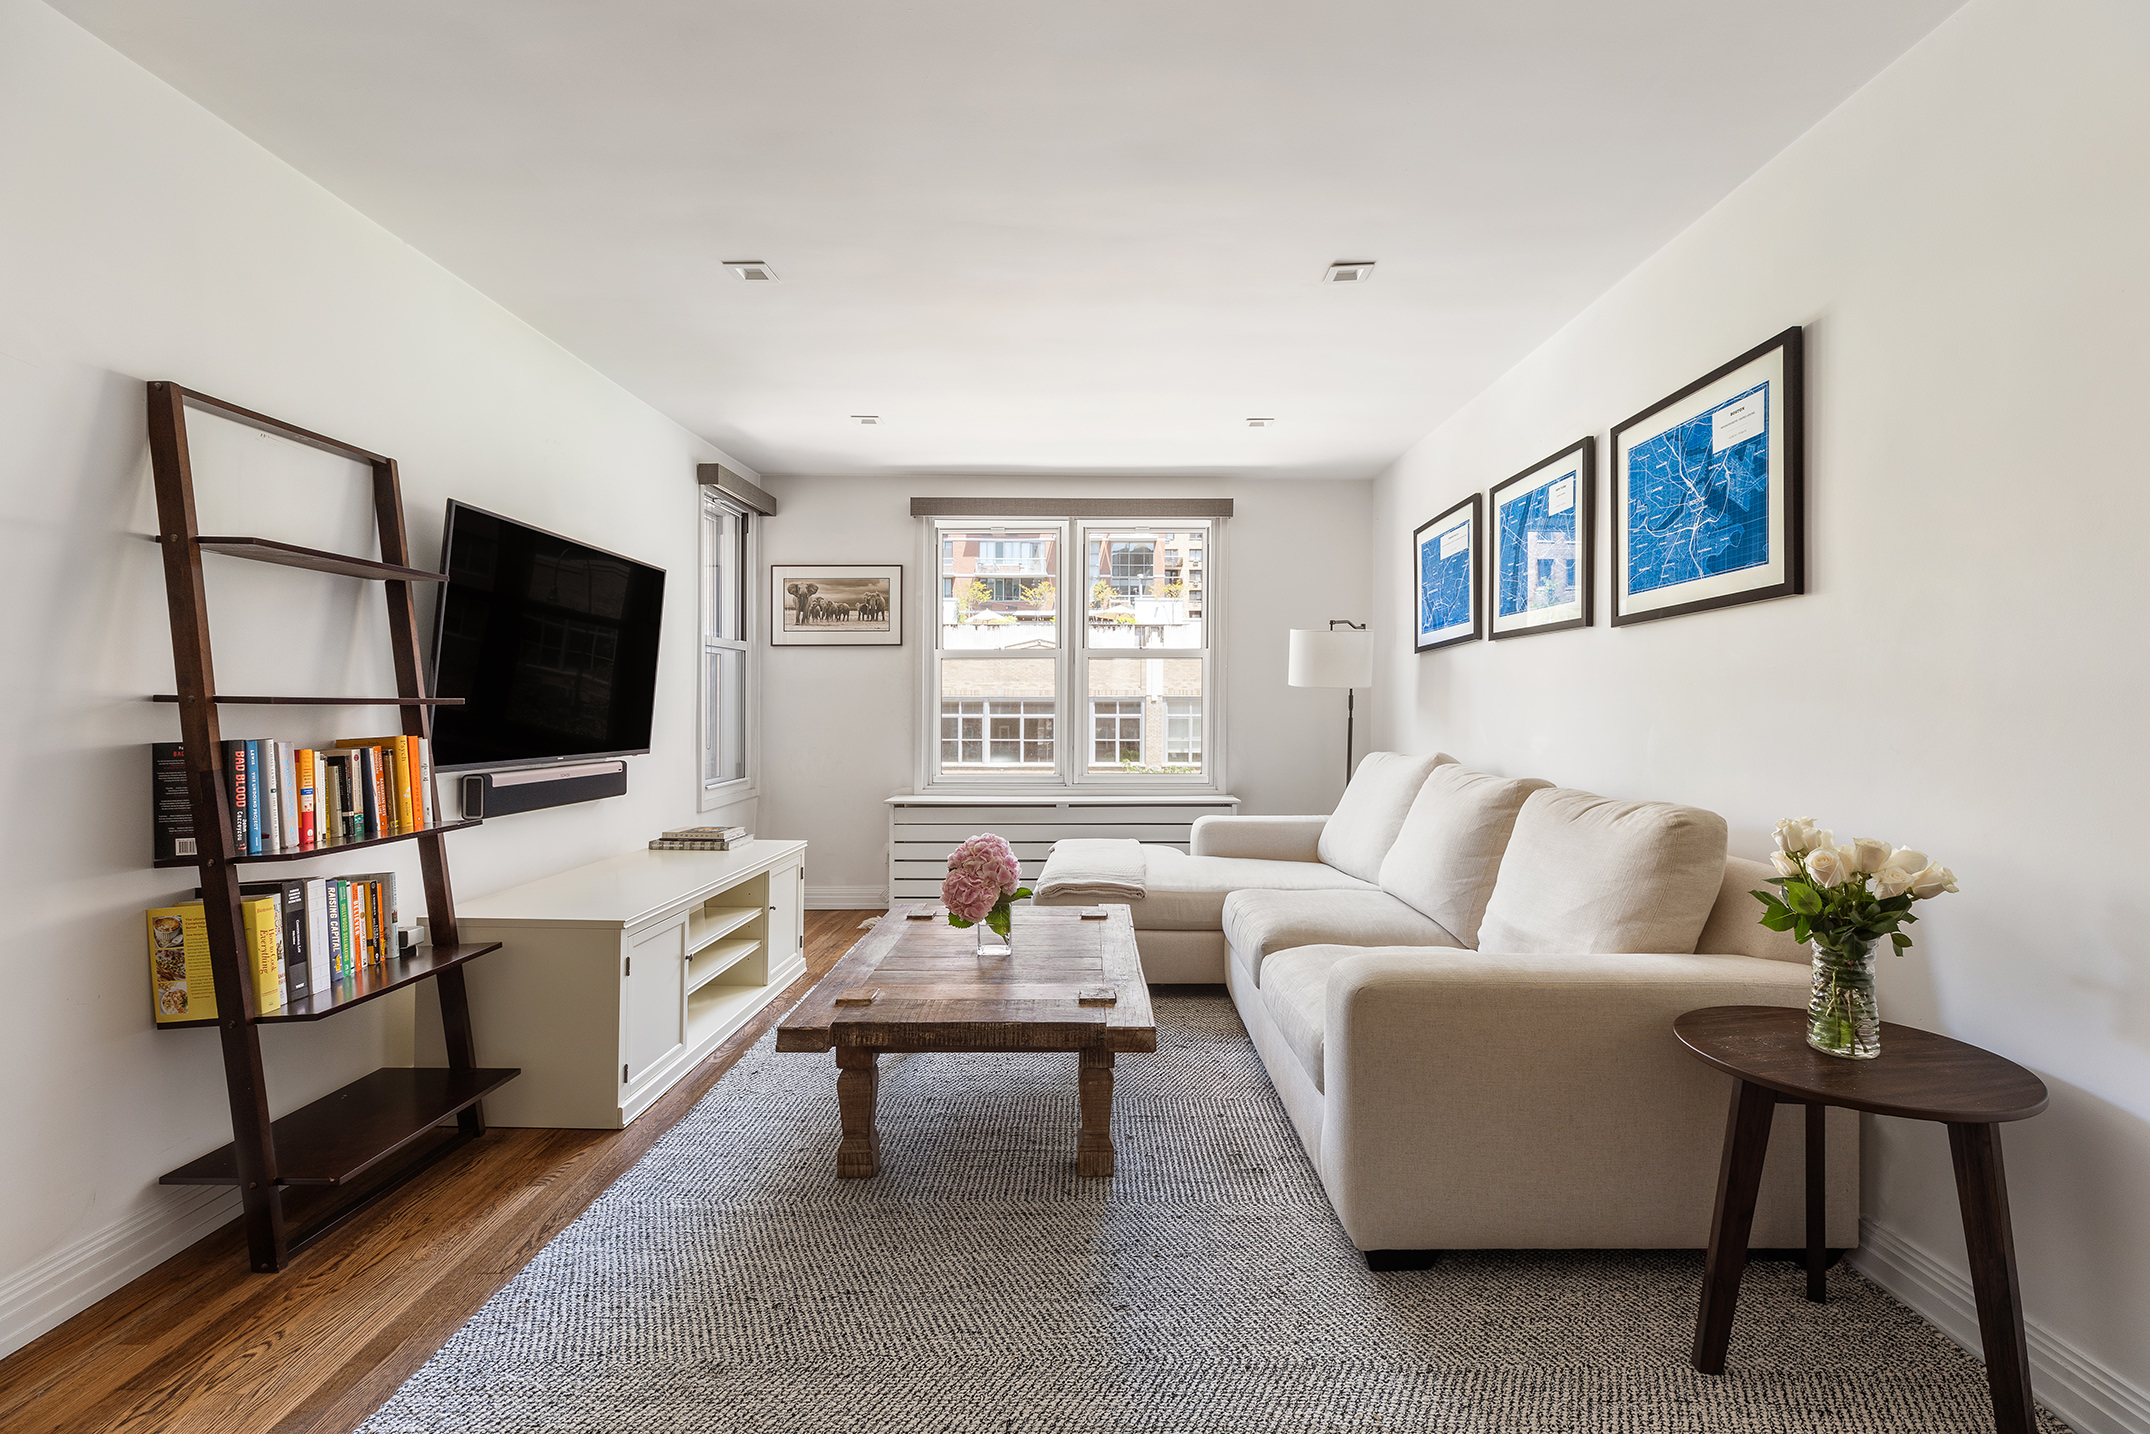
x=1841, y=900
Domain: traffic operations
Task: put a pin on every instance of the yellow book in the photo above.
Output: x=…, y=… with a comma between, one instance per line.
x=406, y=788
x=264, y=943
x=180, y=986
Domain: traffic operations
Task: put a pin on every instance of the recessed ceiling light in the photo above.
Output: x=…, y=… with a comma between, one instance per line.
x=866, y=418
x=1260, y=422
x=752, y=270
x=1348, y=271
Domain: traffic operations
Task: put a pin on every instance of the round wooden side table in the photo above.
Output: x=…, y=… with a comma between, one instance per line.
x=1918, y=1076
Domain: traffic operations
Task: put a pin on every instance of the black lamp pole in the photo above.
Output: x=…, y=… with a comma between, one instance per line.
x=1351, y=697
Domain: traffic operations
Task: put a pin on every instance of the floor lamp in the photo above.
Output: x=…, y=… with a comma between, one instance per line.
x=1334, y=659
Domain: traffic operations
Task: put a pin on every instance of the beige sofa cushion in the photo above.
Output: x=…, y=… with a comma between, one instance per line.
x=1735, y=926
x=1585, y=873
x=1364, y=825
x=1186, y=893
x=1448, y=852
x=1296, y=995
x=1257, y=922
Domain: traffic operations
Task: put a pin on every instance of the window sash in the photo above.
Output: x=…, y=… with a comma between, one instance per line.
x=726, y=688
x=962, y=750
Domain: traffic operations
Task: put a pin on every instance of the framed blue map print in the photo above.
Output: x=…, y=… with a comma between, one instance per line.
x=1542, y=530
x=1708, y=493
x=1451, y=572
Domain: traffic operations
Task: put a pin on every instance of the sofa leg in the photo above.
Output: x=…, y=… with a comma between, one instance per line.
x=1382, y=1262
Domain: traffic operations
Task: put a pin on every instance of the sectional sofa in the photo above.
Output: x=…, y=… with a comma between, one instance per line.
x=1463, y=986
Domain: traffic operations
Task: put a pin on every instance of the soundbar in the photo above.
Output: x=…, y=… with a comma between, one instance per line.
x=529, y=789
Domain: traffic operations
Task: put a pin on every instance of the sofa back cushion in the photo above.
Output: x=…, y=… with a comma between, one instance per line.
x=1364, y=825
x=1586, y=874
x=1735, y=926
x=1446, y=856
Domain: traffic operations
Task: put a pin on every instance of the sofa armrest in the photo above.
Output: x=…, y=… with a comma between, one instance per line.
x=1267, y=838
x=1498, y=1088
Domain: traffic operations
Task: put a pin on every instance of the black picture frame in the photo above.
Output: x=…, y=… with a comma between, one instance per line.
x=1776, y=368
x=1439, y=526
x=1579, y=461
x=850, y=582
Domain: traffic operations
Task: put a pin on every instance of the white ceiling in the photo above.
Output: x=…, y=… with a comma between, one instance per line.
x=1066, y=236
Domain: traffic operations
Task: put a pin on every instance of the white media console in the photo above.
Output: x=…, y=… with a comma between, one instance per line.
x=614, y=979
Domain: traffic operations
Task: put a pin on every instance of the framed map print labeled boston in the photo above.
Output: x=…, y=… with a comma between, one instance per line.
x=1707, y=491
x=835, y=605
x=1449, y=555
x=1542, y=529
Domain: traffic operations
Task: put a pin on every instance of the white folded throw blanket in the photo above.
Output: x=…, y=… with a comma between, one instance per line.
x=1094, y=869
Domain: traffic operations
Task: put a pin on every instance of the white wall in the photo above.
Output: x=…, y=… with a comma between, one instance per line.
x=839, y=724
x=141, y=238
x=1965, y=240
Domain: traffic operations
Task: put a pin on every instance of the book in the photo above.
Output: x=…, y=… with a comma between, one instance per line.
x=429, y=815
x=253, y=795
x=339, y=933
x=672, y=844
x=384, y=802
x=235, y=778
x=732, y=833
x=317, y=940
x=309, y=800
x=272, y=806
x=262, y=942
x=406, y=786
x=333, y=774
x=171, y=804
x=379, y=932
x=287, y=796
x=180, y=985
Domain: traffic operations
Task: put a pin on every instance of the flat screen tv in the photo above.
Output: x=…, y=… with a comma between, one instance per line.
x=551, y=643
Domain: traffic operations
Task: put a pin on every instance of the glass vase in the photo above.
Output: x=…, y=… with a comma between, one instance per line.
x=996, y=943
x=1843, y=1018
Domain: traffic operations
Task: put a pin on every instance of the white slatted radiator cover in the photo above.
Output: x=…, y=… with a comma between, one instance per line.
x=922, y=831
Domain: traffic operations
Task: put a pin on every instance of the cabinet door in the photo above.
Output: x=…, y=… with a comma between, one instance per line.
x=651, y=982
x=787, y=930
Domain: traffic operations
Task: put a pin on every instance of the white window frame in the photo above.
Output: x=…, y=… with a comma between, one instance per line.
x=1073, y=726
x=723, y=792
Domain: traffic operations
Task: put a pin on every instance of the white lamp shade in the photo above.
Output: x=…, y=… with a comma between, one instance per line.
x=1340, y=658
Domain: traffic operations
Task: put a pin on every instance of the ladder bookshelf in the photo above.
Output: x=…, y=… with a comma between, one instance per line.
x=303, y=1175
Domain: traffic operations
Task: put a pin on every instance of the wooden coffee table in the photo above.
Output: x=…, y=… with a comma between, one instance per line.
x=918, y=984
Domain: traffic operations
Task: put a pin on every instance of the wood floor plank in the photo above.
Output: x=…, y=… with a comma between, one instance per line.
x=201, y=1343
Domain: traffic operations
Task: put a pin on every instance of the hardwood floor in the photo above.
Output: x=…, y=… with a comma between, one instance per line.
x=202, y=1344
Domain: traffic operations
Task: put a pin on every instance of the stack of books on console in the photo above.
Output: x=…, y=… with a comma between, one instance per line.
x=287, y=798
x=702, y=839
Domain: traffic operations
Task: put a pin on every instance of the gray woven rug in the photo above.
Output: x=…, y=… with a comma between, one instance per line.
x=730, y=1282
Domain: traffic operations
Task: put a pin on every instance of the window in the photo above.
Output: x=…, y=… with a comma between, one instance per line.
x=725, y=564
x=1094, y=627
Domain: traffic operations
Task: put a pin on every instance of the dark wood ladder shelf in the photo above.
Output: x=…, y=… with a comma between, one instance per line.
x=342, y=1153
x=265, y=550
x=227, y=699
x=309, y=853
x=348, y=1132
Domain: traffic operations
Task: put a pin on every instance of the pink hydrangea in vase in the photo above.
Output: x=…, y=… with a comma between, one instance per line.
x=983, y=882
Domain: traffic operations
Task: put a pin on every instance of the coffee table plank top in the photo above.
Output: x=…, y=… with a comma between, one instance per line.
x=930, y=990
x=1920, y=1075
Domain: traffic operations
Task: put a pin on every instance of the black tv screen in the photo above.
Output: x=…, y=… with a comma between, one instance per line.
x=552, y=645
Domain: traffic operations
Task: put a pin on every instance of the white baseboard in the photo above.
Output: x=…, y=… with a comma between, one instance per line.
x=846, y=898
x=76, y=1276
x=2091, y=1397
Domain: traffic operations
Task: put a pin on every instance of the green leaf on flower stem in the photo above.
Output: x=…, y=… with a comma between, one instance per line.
x=1903, y=942
x=955, y=920
x=1020, y=893
x=1803, y=899
x=1800, y=930
x=1778, y=920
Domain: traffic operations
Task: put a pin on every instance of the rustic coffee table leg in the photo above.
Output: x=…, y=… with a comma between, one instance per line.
x=857, y=1085
x=1739, y=1181
x=1982, y=1190
x=1094, y=1153
x=1817, y=1202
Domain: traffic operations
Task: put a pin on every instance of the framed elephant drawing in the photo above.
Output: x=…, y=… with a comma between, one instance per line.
x=835, y=605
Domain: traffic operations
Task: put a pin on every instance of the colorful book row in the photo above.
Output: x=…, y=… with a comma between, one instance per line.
x=286, y=798
x=300, y=937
